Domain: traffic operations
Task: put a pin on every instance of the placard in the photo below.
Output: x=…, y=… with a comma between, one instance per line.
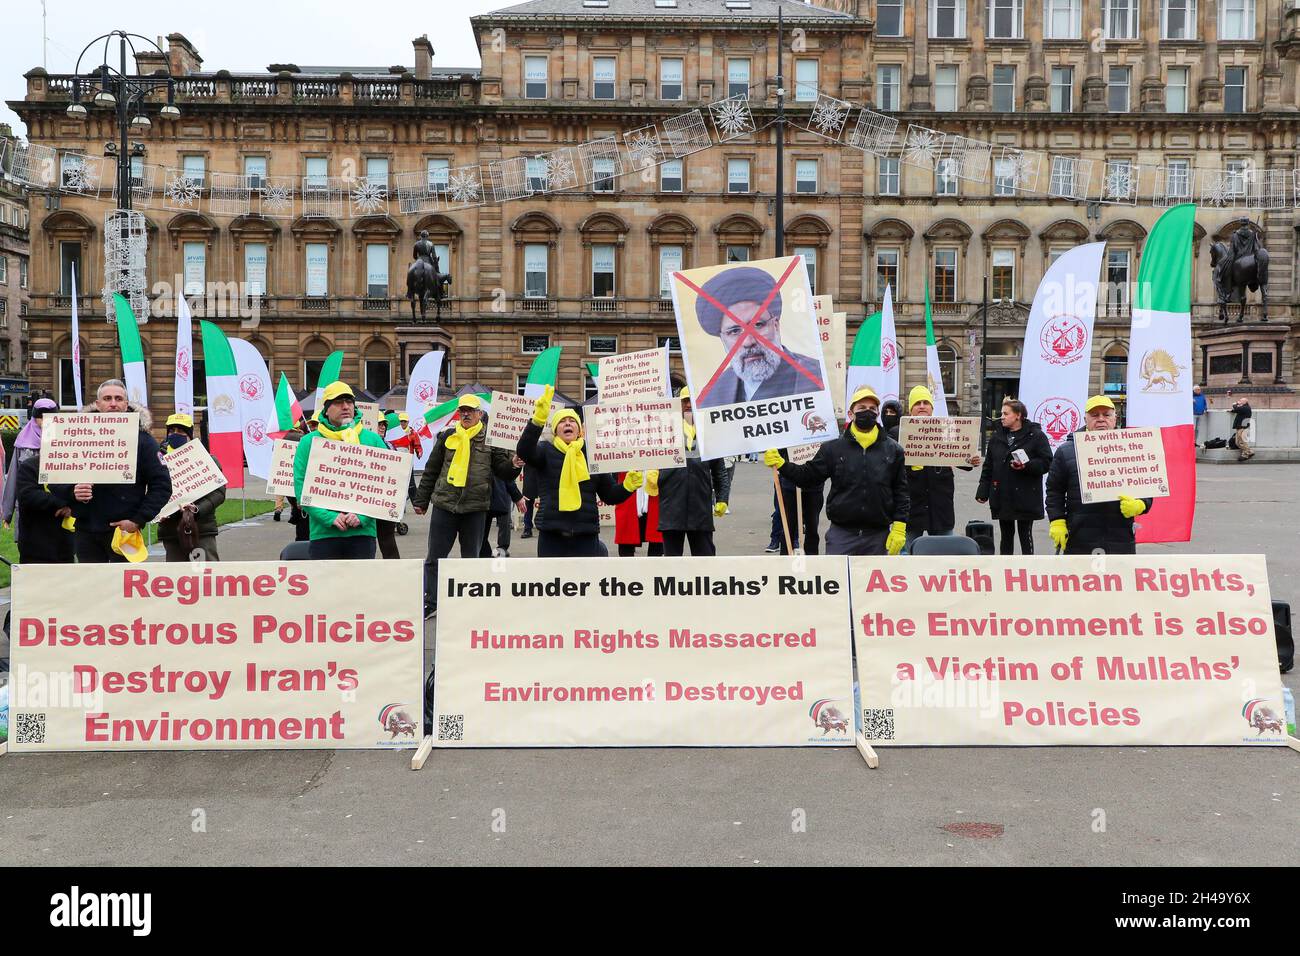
x=510, y=413
x=194, y=473
x=369, y=415
x=633, y=375
x=237, y=656
x=356, y=478
x=1123, y=461
x=832, y=329
x=95, y=448
x=635, y=436
x=706, y=652
x=1128, y=650
x=281, y=481
x=930, y=440
x=801, y=454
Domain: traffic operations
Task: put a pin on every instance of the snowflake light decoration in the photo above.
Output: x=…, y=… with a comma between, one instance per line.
x=81, y=177
x=368, y=196
x=1022, y=167
x=560, y=170
x=732, y=117
x=922, y=147
x=277, y=198
x=464, y=186
x=829, y=117
x=643, y=147
x=968, y=158
x=1217, y=188
x=181, y=191
x=1119, y=184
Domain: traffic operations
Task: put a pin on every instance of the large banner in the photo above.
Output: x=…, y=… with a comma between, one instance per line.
x=194, y=473
x=1121, y=650
x=753, y=356
x=358, y=478
x=635, y=436
x=703, y=652
x=236, y=656
x=89, y=448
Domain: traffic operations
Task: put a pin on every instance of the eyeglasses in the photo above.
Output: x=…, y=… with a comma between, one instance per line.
x=762, y=327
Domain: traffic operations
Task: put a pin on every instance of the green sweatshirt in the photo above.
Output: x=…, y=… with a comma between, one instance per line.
x=321, y=520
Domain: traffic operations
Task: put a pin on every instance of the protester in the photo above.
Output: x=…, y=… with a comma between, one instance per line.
x=297, y=517
x=530, y=500
x=194, y=527
x=569, y=525
x=44, y=530
x=456, y=490
x=1241, y=415
x=1199, y=405
x=1011, y=482
x=868, y=504
x=929, y=487
x=505, y=495
x=107, y=513
x=336, y=535
x=636, y=521
x=386, y=531
x=1077, y=528
x=691, y=497
x=27, y=444
x=891, y=414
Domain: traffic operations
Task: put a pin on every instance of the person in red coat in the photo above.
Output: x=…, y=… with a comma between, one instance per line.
x=636, y=522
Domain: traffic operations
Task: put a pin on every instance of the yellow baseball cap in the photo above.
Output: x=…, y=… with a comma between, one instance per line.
x=684, y=392
x=336, y=390
x=864, y=392
x=919, y=393
x=469, y=401
x=181, y=420
x=403, y=417
x=1098, y=401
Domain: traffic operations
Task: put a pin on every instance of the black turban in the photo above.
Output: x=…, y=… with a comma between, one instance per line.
x=745, y=284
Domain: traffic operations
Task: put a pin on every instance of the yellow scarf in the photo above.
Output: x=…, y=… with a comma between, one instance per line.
x=351, y=434
x=572, y=474
x=865, y=439
x=458, y=472
x=689, y=431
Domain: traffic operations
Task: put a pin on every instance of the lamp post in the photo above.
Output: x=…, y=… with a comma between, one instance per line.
x=113, y=88
x=780, y=133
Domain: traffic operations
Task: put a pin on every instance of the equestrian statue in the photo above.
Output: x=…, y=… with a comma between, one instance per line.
x=423, y=279
x=1237, y=267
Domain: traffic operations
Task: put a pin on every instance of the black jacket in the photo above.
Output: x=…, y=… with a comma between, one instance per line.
x=503, y=494
x=138, y=502
x=1098, y=526
x=1241, y=415
x=41, y=538
x=868, y=486
x=1015, y=495
x=686, y=495
x=549, y=463
x=931, y=490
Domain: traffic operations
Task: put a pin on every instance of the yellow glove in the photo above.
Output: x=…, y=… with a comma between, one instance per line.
x=1131, y=507
x=719, y=509
x=542, y=407
x=652, y=482
x=1058, y=532
x=772, y=458
x=918, y=467
x=633, y=480
x=897, y=538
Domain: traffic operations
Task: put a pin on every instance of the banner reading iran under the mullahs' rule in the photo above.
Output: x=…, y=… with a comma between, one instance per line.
x=753, y=356
x=684, y=652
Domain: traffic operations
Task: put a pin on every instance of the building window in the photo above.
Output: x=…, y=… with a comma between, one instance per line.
x=603, y=168
x=1004, y=89
x=535, y=78
x=196, y=267
x=1064, y=19
x=521, y=383
x=947, y=356
x=535, y=167
x=1005, y=19
x=1117, y=279
x=1176, y=90
x=67, y=385
x=254, y=170
x=4, y=270
x=137, y=171
x=945, y=177
x=886, y=271
x=535, y=260
x=1062, y=180
x=887, y=175
x=603, y=79
x=945, y=275
x=670, y=78
x=1004, y=177
x=670, y=261
x=602, y=345
x=1178, y=20
x=1114, y=375
x=70, y=164
x=737, y=175
x=670, y=176
x=809, y=254
x=602, y=271
x=1062, y=89
x=889, y=18
x=1178, y=179
x=317, y=172
x=889, y=80
x=377, y=171
x=69, y=263
x=1117, y=90
x=534, y=344
x=255, y=268
x=805, y=81
x=1121, y=17
x=1238, y=172
x=1004, y=274
x=22, y=273
x=590, y=389
x=1234, y=89
x=1237, y=20
x=194, y=167
x=670, y=342
x=377, y=270
x=738, y=77
x=945, y=88
x=947, y=19
x=805, y=176
x=442, y=255
x=379, y=376
x=737, y=253
x=439, y=171
x=318, y=261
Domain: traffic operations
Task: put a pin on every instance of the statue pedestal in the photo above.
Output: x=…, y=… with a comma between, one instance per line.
x=1246, y=359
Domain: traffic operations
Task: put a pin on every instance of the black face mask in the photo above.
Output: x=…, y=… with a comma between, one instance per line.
x=865, y=419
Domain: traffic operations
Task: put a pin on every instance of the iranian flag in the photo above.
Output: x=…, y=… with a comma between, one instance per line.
x=257, y=413
x=76, y=345
x=546, y=368
x=864, y=359
x=329, y=374
x=184, y=394
x=288, y=411
x=225, y=436
x=1160, y=368
x=933, y=374
x=128, y=340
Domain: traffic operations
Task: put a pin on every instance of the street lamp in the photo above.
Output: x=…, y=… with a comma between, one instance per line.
x=112, y=88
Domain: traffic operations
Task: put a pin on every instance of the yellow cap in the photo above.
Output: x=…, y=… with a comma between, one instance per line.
x=864, y=392
x=684, y=392
x=919, y=393
x=562, y=414
x=130, y=546
x=403, y=417
x=469, y=401
x=1098, y=401
x=184, y=421
x=335, y=390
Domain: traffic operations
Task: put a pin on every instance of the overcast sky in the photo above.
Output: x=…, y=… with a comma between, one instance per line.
x=237, y=35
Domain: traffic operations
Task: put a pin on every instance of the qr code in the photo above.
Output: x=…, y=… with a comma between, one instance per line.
x=29, y=728
x=878, y=724
x=451, y=726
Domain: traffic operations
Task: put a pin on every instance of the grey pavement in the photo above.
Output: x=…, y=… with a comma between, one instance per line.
x=1161, y=806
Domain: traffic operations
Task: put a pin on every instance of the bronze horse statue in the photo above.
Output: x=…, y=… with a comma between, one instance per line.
x=1237, y=267
x=424, y=280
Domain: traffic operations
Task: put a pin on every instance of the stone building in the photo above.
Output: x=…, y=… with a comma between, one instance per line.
x=15, y=261
x=1189, y=88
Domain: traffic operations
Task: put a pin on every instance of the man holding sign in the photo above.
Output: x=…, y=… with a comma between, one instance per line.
x=1078, y=528
x=930, y=487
